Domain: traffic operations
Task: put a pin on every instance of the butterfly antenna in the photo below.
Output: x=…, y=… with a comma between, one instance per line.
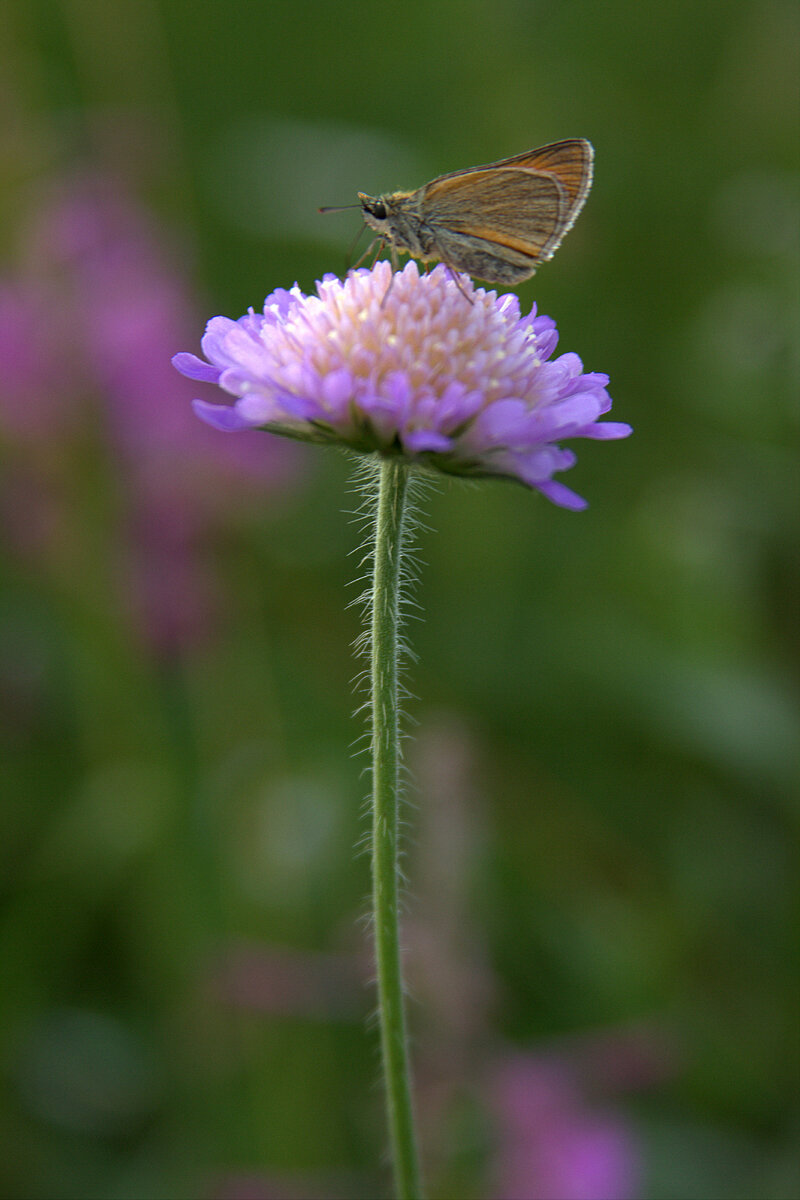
x=337, y=207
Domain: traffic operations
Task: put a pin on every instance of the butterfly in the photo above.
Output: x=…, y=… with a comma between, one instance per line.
x=497, y=222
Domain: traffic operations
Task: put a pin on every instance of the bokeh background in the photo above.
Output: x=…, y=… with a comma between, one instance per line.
x=602, y=830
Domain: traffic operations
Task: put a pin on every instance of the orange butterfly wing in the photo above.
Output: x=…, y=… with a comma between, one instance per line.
x=526, y=203
x=571, y=162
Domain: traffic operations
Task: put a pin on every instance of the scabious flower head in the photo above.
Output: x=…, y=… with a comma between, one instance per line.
x=413, y=369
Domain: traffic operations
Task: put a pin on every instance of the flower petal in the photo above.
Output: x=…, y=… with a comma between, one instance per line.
x=606, y=431
x=421, y=440
x=194, y=368
x=220, y=416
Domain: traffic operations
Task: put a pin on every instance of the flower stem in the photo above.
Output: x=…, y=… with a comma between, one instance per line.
x=387, y=573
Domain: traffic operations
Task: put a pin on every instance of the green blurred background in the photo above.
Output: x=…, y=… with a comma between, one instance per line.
x=601, y=859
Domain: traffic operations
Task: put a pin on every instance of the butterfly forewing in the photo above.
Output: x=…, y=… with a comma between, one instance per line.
x=511, y=207
x=570, y=162
x=526, y=203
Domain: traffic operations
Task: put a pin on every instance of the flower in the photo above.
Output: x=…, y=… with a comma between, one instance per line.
x=552, y=1143
x=90, y=311
x=427, y=367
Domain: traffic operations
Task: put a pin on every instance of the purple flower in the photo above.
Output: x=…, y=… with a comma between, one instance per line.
x=552, y=1144
x=90, y=312
x=447, y=375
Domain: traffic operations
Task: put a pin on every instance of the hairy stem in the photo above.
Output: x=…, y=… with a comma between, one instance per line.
x=387, y=574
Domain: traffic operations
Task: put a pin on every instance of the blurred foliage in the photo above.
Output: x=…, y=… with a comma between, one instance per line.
x=604, y=831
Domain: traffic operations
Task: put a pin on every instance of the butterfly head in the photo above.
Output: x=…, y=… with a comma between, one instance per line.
x=376, y=213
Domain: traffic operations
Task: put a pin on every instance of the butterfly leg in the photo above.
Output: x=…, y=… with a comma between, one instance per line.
x=457, y=282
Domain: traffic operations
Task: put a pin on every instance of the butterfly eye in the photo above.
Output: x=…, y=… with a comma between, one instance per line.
x=378, y=209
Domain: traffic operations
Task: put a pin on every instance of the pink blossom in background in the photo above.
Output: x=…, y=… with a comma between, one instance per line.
x=89, y=318
x=552, y=1144
x=550, y=1141
x=130, y=301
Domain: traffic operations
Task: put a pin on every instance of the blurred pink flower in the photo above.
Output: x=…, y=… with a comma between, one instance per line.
x=88, y=321
x=553, y=1145
x=93, y=252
